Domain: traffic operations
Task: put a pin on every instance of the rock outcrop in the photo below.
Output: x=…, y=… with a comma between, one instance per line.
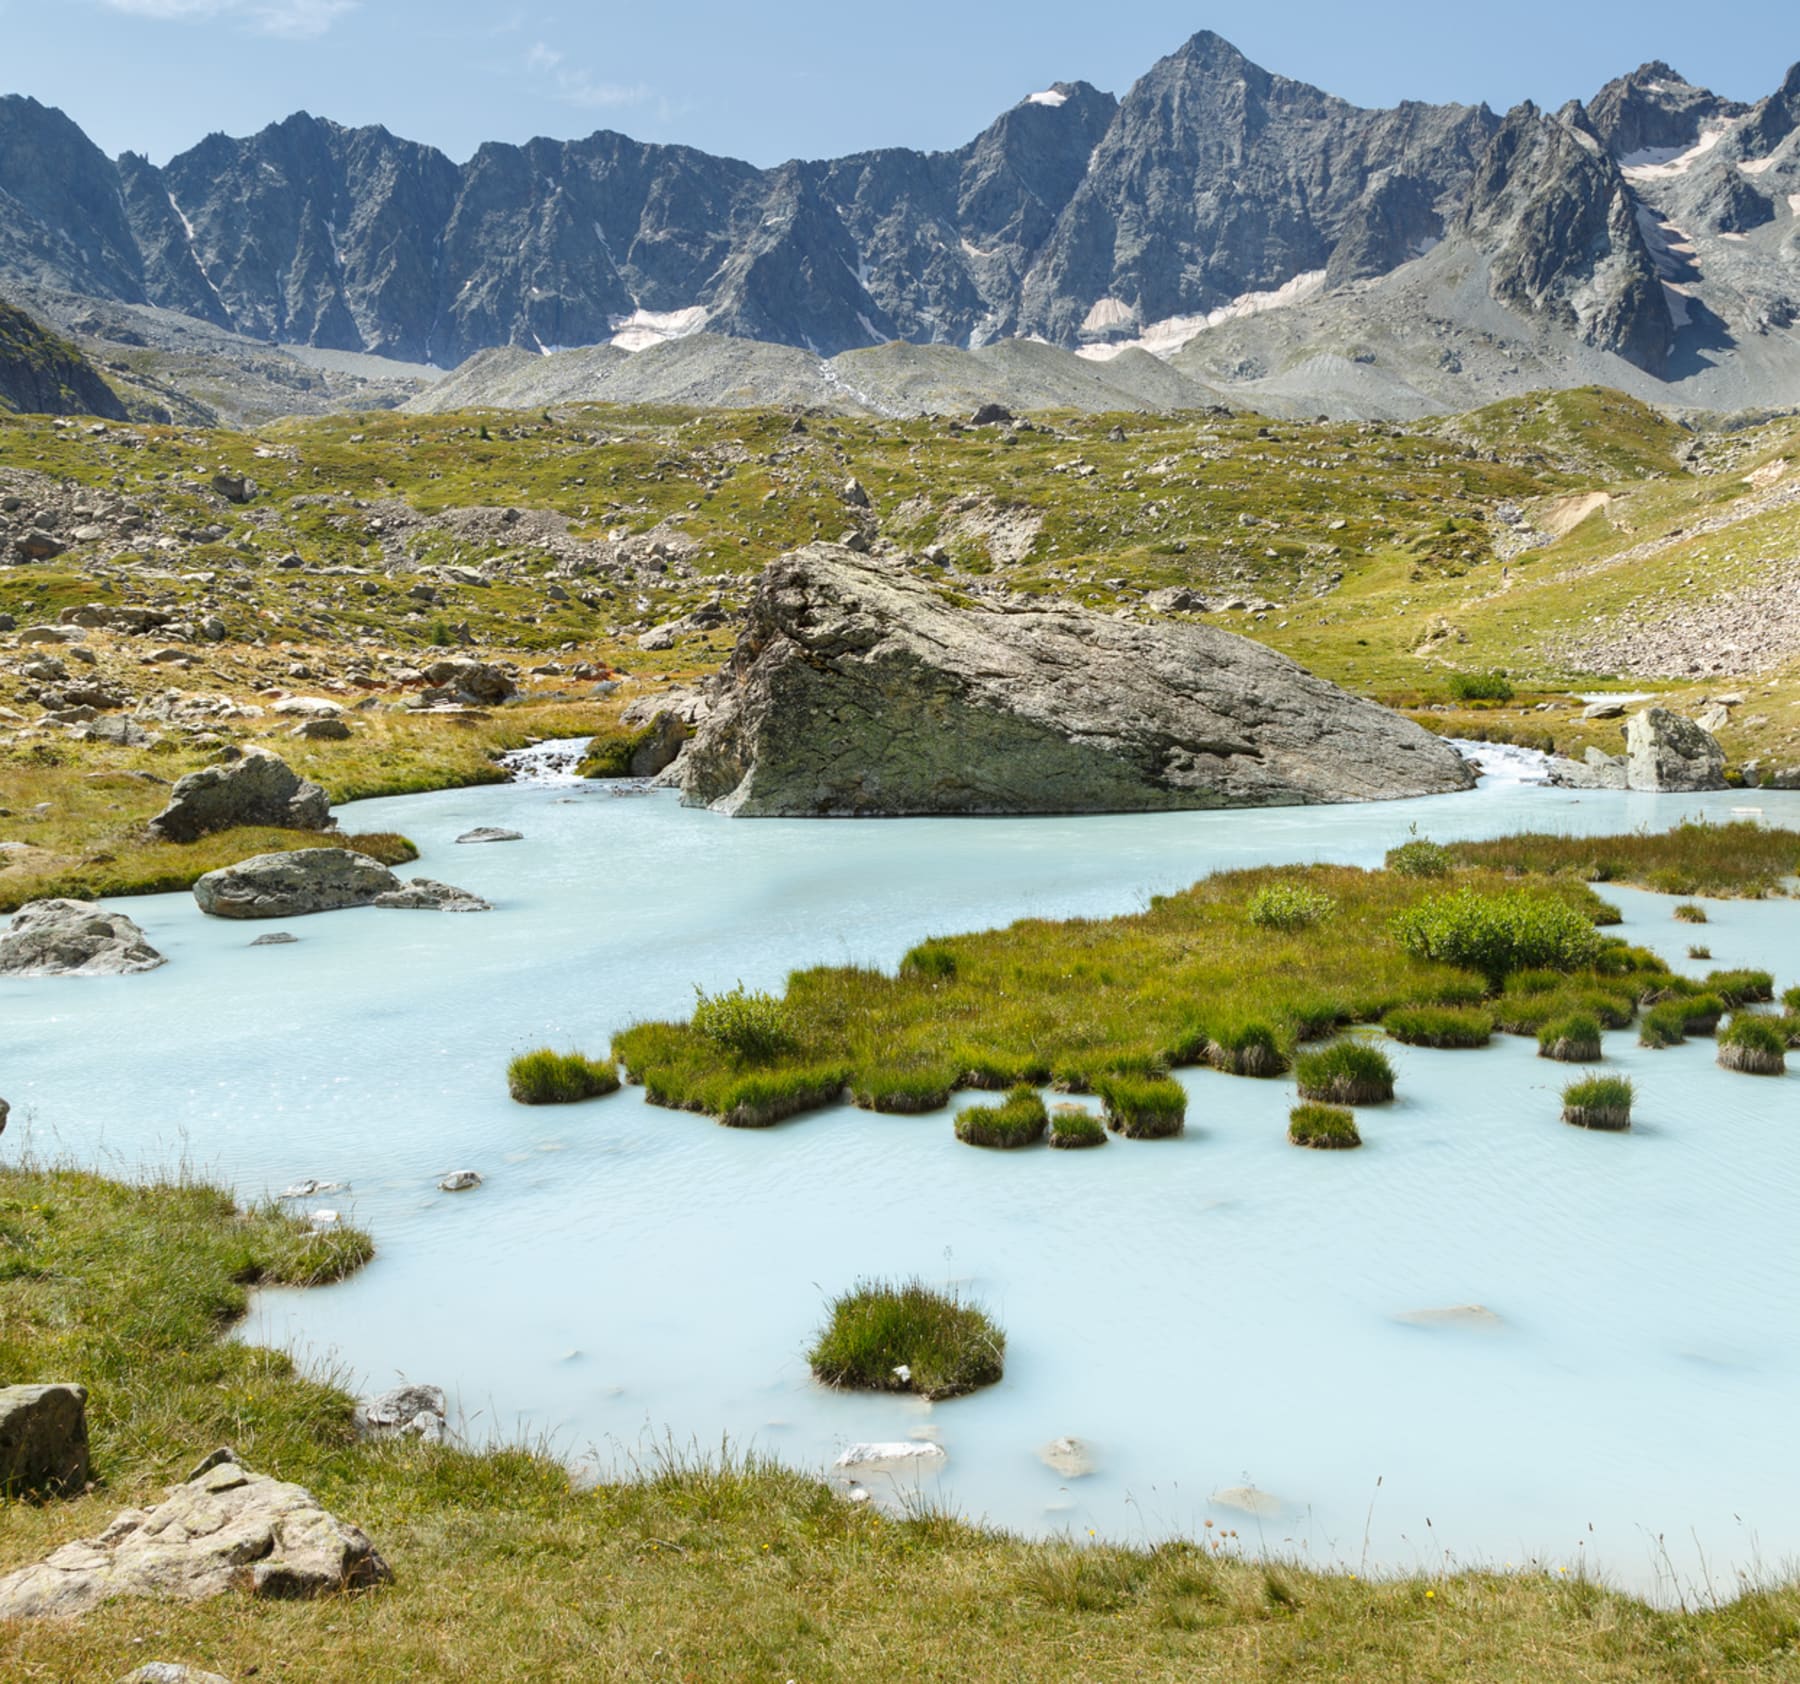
x=426, y=894
x=225, y=1529
x=43, y=1441
x=294, y=884
x=1666, y=752
x=858, y=690
x=405, y=1412
x=74, y=938
x=260, y=788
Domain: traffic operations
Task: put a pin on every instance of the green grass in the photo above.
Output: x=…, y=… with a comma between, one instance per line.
x=1440, y=1026
x=1754, y=1045
x=1741, y=988
x=1345, y=1073
x=1690, y=912
x=1599, y=1102
x=1571, y=1040
x=1479, y=687
x=547, y=1077
x=1073, y=1129
x=1289, y=907
x=1741, y=859
x=1187, y=981
x=1020, y=1121
x=1143, y=1107
x=907, y=1338
x=1325, y=1128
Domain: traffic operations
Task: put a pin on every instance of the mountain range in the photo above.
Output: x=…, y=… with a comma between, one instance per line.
x=1256, y=230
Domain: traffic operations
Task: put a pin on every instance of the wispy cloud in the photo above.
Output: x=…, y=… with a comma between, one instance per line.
x=574, y=84
x=290, y=20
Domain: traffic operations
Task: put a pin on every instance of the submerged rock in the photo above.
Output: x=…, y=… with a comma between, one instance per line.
x=460, y=1181
x=74, y=938
x=276, y=938
x=1070, y=1457
x=1663, y=751
x=1250, y=1500
x=294, y=884
x=902, y=1453
x=1475, y=1316
x=43, y=1440
x=857, y=689
x=258, y=788
x=225, y=1529
x=491, y=833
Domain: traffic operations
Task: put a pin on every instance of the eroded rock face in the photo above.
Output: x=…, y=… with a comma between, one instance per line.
x=294, y=884
x=260, y=788
x=43, y=1440
x=74, y=938
x=225, y=1529
x=1664, y=751
x=858, y=690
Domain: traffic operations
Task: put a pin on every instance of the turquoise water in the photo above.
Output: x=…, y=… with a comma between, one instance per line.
x=1211, y=1313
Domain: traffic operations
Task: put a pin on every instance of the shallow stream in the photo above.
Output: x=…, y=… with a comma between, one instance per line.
x=1213, y=1313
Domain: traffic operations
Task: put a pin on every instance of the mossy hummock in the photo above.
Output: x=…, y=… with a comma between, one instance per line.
x=1755, y=1046
x=1325, y=1128
x=1440, y=1026
x=1143, y=1107
x=908, y=1337
x=1020, y=1121
x=1571, y=1040
x=547, y=1077
x=1349, y=1073
x=1600, y=1102
x=1074, y=1130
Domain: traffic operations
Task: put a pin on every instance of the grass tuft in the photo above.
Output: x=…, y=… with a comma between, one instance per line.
x=1347, y=1073
x=907, y=1338
x=1599, y=1102
x=1020, y=1121
x=1440, y=1026
x=547, y=1077
x=1073, y=1129
x=1571, y=1040
x=1325, y=1128
x=1143, y=1107
x=1754, y=1045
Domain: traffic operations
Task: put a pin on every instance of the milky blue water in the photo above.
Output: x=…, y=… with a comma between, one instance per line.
x=1210, y=1313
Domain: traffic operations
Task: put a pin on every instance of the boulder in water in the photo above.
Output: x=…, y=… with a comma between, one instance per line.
x=1664, y=751
x=294, y=884
x=859, y=690
x=74, y=938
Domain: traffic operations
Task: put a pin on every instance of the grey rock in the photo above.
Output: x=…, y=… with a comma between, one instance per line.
x=474, y=683
x=1073, y=1458
x=5, y=1112
x=74, y=938
x=234, y=488
x=667, y=736
x=225, y=1529
x=404, y=1412
x=491, y=833
x=41, y=374
x=122, y=733
x=1176, y=599
x=460, y=1181
x=1604, y=710
x=1666, y=752
x=43, y=1439
x=423, y=894
x=328, y=730
x=275, y=938
x=171, y=1672
x=856, y=690
x=294, y=884
x=259, y=788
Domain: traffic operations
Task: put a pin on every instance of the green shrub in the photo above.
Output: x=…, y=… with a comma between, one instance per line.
x=1599, y=1102
x=1074, y=1129
x=748, y=1024
x=1755, y=1045
x=1347, y=1073
x=1742, y=988
x=1498, y=934
x=1019, y=1121
x=1440, y=1026
x=1289, y=907
x=1247, y=1048
x=907, y=1338
x=1570, y=1040
x=1790, y=1001
x=1143, y=1107
x=545, y=1077
x=1323, y=1127
x=1420, y=858
x=1690, y=912
x=1479, y=687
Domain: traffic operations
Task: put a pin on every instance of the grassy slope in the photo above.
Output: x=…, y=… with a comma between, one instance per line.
x=504, y=1573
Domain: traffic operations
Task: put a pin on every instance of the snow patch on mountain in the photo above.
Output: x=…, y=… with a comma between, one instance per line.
x=1165, y=338
x=644, y=328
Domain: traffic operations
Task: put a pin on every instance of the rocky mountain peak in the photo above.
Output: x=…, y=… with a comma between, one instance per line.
x=1655, y=109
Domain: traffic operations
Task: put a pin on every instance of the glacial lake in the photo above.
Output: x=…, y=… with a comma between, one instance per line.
x=1211, y=1313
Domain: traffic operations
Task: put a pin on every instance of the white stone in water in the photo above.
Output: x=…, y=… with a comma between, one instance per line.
x=1070, y=1457
x=1477, y=1316
x=462, y=1181
x=1248, y=1499
x=897, y=1454
x=322, y=1218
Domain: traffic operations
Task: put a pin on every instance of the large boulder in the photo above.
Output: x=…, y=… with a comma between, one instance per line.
x=857, y=689
x=293, y=884
x=1664, y=751
x=225, y=1529
x=472, y=683
x=43, y=1440
x=259, y=788
x=74, y=938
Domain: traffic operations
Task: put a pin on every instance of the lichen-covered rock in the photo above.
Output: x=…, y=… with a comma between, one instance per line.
x=294, y=884
x=225, y=1529
x=405, y=1412
x=259, y=788
x=857, y=689
x=475, y=683
x=171, y=1672
x=74, y=938
x=1664, y=751
x=43, y=1439
x=424, y=894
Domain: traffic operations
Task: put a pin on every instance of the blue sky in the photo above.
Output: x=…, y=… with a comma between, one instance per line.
x=803, y=77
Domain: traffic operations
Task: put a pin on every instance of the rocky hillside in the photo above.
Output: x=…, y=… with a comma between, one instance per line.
x=43, y=375
x=1649, y=234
